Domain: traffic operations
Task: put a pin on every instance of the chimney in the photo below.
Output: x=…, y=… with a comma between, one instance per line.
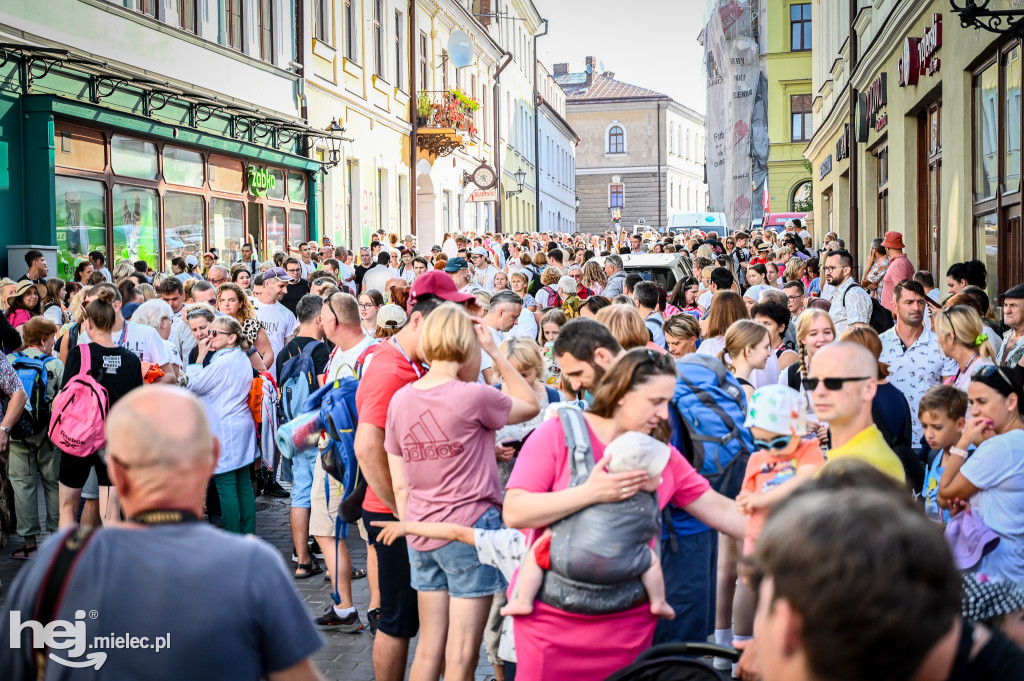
x=561, y=69
x=591, y=69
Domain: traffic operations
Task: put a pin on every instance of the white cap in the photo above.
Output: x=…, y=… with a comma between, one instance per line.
x=191, y=260
x=777, y=409
x=633, y=451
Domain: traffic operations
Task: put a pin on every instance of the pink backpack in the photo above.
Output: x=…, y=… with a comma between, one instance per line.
x=78, y=413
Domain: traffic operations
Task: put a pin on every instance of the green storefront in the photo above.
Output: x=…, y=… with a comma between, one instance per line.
x=95, y=162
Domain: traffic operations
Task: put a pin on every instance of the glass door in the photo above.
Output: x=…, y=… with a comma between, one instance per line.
x=255, y=228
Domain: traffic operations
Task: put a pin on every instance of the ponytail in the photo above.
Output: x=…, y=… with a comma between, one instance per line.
x=230, y=325
x=100, y=311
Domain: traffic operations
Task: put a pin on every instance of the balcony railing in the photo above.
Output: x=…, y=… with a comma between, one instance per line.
x=447, y=109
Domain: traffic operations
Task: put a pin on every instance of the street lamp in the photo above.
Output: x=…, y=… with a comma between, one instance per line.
x=333, y=139
x=577, y=203
x=520, y=179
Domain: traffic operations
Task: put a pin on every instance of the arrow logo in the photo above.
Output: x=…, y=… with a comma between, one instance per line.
x=91, y=660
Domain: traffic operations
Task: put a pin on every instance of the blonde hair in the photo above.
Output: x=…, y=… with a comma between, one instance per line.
x=594, y=274
x=705, y=251
x=705, y=272
x=523, y=354
x=626, y=325
x=741, y=335
x=448, y=335
x=726, y=308
x=231, y=325
x=682, y=326
x=147, y=291
x=550, y=275
x=964, y=323
x=540, y=259
x=76, y=306
x=803, y=327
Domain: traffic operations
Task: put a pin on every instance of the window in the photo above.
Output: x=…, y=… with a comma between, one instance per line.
x=1012, y=115
x=81, y=221
x=882, y=174
x=423, y=85
x=826, y=200
x=296, y=187
x=671, y=194
x=297, y=229
x=446, y=206
x=143, y=6
x=184, y=226
x=800, y=27
x=136, y=223
x=231, y=23
x=277, y=191
x=227, y=225
x=276, y=221
x=184, y=166
x=266, y=30
x=802, y=120
x=801, y=202
x=187, y=15
x=616, y=140
x=444, y=70
x=671, y=138
x=378, y=37
x=399, y=41
x=615, y=195
x=133, y=158
x=226, y=174
x=351, y=30
x=322, y=20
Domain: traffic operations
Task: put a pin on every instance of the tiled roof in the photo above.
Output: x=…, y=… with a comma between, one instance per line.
x=603, y=87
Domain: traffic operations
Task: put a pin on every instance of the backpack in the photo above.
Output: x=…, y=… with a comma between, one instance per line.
x=535, y=283
x=298, y=381
x=676, y=662
x=79, y=410
x=881, y=319
x=554, y=300
x=33, y=374
x=707, y=413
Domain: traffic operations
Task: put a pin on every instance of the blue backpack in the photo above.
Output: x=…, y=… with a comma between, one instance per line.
x=707, y=413
x=33, y=374
x=298, y=381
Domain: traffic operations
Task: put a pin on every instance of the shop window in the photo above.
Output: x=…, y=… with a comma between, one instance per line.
x=298, y=231
x=136, y=218
x=800, y=27
x=1012, y=120
x=882, y=174
x=297, y=187
x=802, y=118
x=276, y=222
x=986, y=236
x=184, y=226
x=986, y=133
x=278, y=190
x=81, y=221
x=226, y=175
x=79, y=148
x=184, y=167
x=131, y=157
x=227, y=228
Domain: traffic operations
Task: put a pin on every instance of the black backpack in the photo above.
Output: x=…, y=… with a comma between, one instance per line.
x=676, y=662
x=881, y=319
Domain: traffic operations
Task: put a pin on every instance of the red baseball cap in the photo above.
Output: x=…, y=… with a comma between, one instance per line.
x=436, y=283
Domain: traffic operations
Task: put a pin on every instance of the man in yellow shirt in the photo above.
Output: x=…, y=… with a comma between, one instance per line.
x=842, y=382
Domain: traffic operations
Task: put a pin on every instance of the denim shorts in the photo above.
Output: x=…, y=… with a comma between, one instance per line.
x=455, y=568
x=302, y=477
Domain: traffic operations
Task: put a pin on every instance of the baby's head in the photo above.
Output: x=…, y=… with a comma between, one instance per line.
x=777, y=418
x=633, y=451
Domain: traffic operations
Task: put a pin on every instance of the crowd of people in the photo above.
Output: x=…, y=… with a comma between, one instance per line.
x=533, y=479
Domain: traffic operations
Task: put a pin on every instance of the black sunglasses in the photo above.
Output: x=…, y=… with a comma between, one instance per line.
x=992, y=370
x=811, y=384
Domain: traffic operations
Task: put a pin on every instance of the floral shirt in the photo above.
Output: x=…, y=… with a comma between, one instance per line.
x=9, y=381
x=915, y=369
x=1010, y=355
x=877, y=275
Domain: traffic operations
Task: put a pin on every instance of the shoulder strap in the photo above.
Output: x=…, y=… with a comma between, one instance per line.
x=86, y=358
x=308, y=348
x=850, y=289
x=577, y=441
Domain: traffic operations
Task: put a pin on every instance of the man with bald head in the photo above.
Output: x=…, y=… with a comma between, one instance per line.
x=842, y=382
x=223, y=606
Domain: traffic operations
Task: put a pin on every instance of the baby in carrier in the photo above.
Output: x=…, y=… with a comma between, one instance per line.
x=608, y=543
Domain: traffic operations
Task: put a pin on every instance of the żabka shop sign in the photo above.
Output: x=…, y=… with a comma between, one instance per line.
x=919, y=54
x=260, y=181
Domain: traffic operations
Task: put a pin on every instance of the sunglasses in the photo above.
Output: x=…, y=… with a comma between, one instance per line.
x=776, y=444
x=215, y=332
x=811, y=384
x=992, y=370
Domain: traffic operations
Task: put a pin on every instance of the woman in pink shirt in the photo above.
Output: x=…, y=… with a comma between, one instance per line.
x=632, y=396
x=439, y=437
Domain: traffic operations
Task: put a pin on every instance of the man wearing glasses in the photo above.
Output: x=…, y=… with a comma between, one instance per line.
x=219, y=274
x=297, y=288
x=484, y=271
x=851, y=304
x=366, y=263
x=842, y=382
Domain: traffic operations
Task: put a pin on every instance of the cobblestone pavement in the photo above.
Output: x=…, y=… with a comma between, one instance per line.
x=346, y=657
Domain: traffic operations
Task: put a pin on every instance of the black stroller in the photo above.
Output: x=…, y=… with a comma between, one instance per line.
x=677, y=662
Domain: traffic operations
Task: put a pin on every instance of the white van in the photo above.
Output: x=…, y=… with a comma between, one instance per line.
x=705, y=222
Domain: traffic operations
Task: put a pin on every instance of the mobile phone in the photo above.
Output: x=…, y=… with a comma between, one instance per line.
x=514, y=444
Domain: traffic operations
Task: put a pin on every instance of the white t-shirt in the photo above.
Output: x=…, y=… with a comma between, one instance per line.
x=144, y=341
x=705, y=300
x=343, y=362
x=485, y=277
x=344, y=272
x=307, y=269
x=280, y=325
x=997, y=469
x=376, y=278
x=526, y=325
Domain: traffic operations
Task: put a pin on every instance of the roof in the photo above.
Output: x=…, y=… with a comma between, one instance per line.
x=603, y=87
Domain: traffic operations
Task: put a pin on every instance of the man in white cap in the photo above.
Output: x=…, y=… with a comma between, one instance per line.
x=484, y=271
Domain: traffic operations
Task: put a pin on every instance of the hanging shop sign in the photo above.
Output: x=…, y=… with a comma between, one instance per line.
x=825, y=168
x=483, y=196
x=870, y=105
x=260, y=181
x=919, y=54
x=843, y=144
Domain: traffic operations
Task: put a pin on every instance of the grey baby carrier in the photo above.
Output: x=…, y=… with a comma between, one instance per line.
x=598, y=553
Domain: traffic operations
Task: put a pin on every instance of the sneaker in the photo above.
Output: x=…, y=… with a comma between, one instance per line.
x=331, y=620
x=275, y=490
x=722, y=664
x=373, y=619
x=315, y=550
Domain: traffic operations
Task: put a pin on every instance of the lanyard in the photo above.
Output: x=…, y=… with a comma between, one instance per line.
x=413, y=364
x=961, y=372
x=164, y=517
x=124, y=334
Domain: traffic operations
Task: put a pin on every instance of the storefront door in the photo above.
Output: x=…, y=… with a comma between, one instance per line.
x=929, y=150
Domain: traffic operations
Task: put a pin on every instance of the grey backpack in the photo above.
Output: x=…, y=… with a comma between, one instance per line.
x=598, y=553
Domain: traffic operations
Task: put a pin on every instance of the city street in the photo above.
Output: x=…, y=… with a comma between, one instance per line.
x=344, y=656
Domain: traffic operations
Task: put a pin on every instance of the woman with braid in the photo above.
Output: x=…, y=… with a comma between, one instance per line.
x=814, y=329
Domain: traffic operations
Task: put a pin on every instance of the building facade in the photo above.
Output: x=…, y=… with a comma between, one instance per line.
x=787, y=64
x=640, y=156
x=150, y=130
x=912, y=106
x=556, y=158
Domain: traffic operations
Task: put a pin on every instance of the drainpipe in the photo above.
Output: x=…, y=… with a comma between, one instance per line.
x=536, y=123
x=413, y=142
x=659, y=166
x=854, y=149
x=496, y=102
x=300, y=59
